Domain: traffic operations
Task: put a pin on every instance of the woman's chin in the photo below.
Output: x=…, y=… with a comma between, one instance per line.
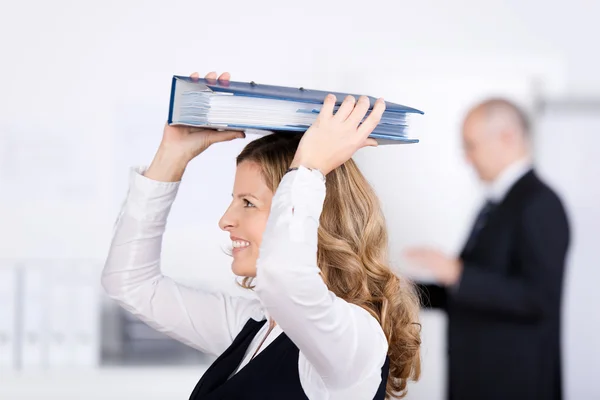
x=243, y=269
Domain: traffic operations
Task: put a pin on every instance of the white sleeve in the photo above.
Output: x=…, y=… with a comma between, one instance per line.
x=132, y=275
x=342, y=341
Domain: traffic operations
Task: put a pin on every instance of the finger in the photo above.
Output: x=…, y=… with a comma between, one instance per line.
x=328, y=105
x=345, y=109
x=359, y=112
x=211, y=75
x=414, y=252
x=195, y=75
x=372, y=120
x=411, y=254
x=225, y=136
x=225, y=76
x=421, y=261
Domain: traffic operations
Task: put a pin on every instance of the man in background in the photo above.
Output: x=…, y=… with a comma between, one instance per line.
x=503, y=292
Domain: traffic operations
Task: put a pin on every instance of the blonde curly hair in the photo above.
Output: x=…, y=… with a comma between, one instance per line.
x=353, y=253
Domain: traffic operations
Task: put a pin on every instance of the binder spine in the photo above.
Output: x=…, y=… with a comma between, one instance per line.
x=172, y=100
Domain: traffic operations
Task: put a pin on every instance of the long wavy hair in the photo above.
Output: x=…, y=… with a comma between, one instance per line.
x=353, y=253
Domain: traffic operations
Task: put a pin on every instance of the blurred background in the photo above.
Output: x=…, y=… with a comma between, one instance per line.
x=84, y=91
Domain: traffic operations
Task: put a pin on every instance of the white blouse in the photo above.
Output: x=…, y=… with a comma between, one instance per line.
x=342, y=347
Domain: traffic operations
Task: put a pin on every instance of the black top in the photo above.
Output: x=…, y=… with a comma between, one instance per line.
x=504, y=315
x=272, y=374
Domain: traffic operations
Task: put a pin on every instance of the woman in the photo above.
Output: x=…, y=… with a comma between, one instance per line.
x=331, y=320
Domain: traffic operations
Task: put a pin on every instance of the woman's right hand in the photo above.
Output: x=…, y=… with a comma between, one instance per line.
x=181, y=144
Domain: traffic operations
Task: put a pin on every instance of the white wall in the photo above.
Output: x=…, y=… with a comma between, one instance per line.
x=80, y=81
x=115, y=37
x=83, y=78
x=567, y=140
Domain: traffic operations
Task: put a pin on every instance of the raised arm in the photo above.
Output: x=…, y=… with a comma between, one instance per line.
x=342, y=341
x=132, y=274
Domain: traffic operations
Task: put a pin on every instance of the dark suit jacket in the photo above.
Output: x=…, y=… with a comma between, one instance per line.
x=504, y=315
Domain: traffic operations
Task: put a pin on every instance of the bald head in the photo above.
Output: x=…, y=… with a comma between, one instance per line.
x=495, y=134
x=501, y=114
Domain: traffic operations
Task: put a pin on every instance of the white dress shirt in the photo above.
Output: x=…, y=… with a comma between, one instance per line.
x=499, y=187
x=342, y=347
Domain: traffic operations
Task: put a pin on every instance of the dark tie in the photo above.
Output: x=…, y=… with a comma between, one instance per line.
x=480, y=222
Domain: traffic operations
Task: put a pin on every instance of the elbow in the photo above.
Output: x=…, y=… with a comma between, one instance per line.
x=113, y=281
x=353, y=369
x=111, y=285
x=342, y=379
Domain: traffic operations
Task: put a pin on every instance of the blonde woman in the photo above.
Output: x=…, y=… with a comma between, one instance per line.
x=330, y=319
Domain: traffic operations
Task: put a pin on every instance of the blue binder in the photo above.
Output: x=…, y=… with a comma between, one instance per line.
x=197, y=94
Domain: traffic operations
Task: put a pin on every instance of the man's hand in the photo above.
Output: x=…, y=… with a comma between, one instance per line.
x=446, y=270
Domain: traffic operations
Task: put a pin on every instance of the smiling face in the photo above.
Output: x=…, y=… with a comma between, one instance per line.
x=246, y=217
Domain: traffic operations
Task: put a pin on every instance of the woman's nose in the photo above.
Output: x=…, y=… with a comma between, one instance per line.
x=228, y=220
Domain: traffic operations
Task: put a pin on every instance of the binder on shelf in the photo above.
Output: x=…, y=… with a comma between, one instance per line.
x=50, y=313
x=8, y=318
x=34, y=329
x=262, y=109
x=74, y=312
x=86, y=314
x=60, y=300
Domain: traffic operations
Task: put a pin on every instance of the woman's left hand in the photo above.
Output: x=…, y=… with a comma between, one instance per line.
x=334, y=138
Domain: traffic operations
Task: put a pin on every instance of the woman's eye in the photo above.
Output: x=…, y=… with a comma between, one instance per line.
x=247, y=203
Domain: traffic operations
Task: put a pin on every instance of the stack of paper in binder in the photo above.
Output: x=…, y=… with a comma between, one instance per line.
x=258, y=107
